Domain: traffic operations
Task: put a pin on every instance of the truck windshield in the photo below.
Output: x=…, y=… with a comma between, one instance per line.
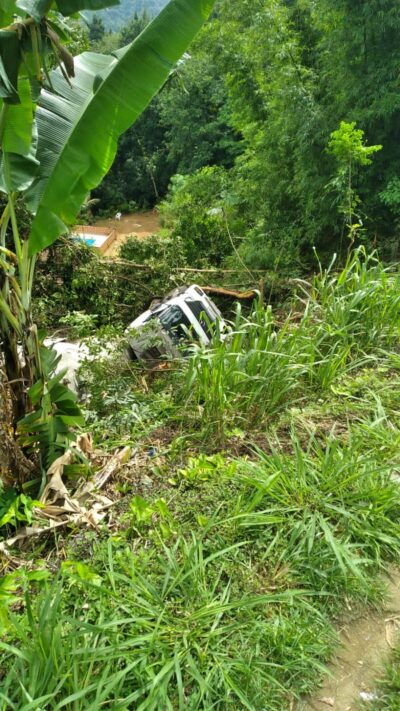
x=173, y=320
x=198, y=308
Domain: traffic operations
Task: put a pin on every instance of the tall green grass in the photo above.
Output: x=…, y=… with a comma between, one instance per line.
x=228, y=608
x=329, y=512
x=262, y=367
x=163, y=631
x=246, y=377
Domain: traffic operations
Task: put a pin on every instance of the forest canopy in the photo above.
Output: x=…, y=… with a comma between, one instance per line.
x=261, y=109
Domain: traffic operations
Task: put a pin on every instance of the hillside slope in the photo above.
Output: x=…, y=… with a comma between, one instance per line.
x=114, y=17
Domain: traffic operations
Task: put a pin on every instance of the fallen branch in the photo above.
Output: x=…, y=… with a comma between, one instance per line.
x=152, y=267
x=241, y=295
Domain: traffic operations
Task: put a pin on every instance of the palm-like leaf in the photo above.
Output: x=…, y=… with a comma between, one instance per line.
x=79, y=125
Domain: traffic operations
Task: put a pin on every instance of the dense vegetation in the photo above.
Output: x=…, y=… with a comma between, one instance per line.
x=262, y=109
x=260, y=505
x=256, y=500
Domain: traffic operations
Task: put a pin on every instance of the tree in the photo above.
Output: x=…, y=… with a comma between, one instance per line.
x=134, y=27
x=295, y=69
x=58, y=137
x=96, y=29
x=347, y=145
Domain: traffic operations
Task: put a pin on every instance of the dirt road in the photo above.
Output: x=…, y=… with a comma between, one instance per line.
x=365, y=645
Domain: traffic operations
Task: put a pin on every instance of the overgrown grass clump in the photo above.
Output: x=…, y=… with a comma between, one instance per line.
x=220, y=586
x=348, y=319
x=386, y=697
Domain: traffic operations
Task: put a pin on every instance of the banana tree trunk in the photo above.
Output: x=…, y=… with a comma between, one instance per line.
x=14, y=372
x=14, y=466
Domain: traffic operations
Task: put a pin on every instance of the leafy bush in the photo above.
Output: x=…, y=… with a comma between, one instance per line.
x=115, y=406
x=161, y=253
x=15, y=508
x=197, y=211
x=71, y=277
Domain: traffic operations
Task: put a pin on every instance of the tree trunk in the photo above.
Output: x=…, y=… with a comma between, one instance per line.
x=15, y=468
x=15, y=378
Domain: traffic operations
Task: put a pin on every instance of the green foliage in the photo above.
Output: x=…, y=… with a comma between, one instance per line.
x=203, y=468
x=139, y=175
x=294, y=71
x=54, y=414
x=41, y=144
x=79, y=323
x=134, y=27
x=196, y=212
x=116, y=409
x=219, y=585
x=96, y=29
x=186, y=640
x=195, y=112
x=191, y=110
x=346, y=144
x=259, y=369
x=340, y=504
x=156, y=51
x=77, y=572
x=72, y=279
x=15, y=508
x=153, y=518
x=386, y=697
x=245, y=378
x=12, y=587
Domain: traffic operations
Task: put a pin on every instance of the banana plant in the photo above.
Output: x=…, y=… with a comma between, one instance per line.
x=58, y=137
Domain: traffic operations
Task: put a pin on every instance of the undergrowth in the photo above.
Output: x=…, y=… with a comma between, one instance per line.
x=387, y=694
x=264, y=503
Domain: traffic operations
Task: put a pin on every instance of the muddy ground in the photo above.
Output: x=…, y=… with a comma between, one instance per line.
x=366, y=643
x=139, y=224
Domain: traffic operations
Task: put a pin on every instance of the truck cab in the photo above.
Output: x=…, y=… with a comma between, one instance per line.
x=185, y=315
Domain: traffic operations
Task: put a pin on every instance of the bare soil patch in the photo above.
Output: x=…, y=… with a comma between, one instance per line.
x=137, y=224
x=365, y=645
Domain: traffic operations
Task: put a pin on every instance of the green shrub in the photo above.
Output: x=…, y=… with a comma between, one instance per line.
x=197, y=210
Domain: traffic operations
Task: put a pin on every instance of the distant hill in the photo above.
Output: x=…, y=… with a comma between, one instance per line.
x=115, y=17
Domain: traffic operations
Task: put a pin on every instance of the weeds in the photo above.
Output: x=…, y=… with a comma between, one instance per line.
x=169, y=635
x=260, y=369
x=387, y=694
x=217, y=589
x=329, y=513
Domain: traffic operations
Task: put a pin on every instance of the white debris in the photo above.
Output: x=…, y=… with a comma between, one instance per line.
x=72, y=355
x=367, y=696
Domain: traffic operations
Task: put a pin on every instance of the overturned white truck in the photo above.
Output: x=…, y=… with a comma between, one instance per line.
x=185, y=314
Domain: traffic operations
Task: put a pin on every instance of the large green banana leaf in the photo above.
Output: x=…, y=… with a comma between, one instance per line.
x=79, y=126
x=7, y=8
x=38, y=8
